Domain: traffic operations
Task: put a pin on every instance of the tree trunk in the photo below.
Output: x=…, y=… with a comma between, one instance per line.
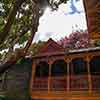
x=10, y=19
x=35, y=23
x=22, y=52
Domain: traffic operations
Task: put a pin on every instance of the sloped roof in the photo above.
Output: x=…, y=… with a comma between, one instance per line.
x=50, y=47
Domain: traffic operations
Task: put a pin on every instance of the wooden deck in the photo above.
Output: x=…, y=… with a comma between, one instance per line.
x=65, y=96
x=58, y=91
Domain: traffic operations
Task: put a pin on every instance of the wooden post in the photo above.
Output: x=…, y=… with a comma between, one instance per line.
x=68, y=74
x=89, y=74
x=32, y=76
x=49, y=78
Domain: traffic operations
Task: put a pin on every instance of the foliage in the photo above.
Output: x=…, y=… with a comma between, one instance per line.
x=78, y=39
x=35, y=47
x=17, y=20
x=24, y=38
x=97, y=43
x=21, y=21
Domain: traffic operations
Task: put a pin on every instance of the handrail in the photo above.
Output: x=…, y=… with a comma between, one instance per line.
x=40, y=84
x=77, y=83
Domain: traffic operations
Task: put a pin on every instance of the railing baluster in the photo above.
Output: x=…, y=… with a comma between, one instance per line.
x=79, y=83
x=40, y=84
x=95, y=82
x=58, y=84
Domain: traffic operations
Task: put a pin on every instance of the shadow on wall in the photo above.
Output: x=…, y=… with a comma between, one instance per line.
x=16, y=84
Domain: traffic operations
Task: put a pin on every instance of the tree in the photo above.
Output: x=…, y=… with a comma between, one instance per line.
x=35, y=48
x=19, y=23
x=78, y=39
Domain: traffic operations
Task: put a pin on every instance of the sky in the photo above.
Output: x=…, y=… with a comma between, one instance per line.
x=58, y=24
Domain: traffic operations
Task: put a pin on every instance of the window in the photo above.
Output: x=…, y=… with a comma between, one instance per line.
x=42, y=70
x=95, y=66
x=78, y=67
x=79, y=75
x=59, y=68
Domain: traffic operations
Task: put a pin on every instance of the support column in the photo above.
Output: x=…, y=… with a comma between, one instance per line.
x=32, y=76
x=68, y=74
x=49, y=78
x=89, y=74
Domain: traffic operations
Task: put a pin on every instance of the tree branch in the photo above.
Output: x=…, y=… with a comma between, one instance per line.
x=35, y=23
x=10, y=19
x=22, y=52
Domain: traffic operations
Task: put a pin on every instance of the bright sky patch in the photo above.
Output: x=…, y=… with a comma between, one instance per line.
x=69, y=17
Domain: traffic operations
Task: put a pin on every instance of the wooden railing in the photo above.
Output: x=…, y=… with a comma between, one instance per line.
x=58, y=83
x=95, y=82
x=76, y=83
x=40, y=84
x=79, y=83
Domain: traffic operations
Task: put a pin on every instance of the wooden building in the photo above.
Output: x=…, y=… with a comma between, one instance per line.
x=60, y=74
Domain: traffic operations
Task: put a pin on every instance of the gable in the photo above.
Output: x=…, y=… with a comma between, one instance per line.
x=51, y=47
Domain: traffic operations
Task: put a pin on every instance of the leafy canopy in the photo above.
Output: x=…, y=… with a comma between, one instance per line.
x=19, y=20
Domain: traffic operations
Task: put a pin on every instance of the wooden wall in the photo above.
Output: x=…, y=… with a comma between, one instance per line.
x=17, y=80
x=92, y=8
